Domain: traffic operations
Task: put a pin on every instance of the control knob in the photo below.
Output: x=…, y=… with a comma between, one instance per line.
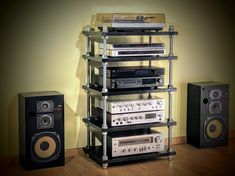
x=160, y=80
x=119, y=83
x=157, y=139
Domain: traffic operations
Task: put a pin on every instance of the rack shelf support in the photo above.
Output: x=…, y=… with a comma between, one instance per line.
x=171, y=53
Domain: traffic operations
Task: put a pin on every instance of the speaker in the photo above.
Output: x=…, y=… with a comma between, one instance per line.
x=41, y=129
x=207, y=114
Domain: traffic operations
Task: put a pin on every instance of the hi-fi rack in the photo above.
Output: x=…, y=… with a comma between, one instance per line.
x=101, y=128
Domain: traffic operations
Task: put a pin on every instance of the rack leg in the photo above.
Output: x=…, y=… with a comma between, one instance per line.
x=171, y=29
x=104, y=157
x=104, y=77
x=88, y=137
x=171, y=53
x=88, y=52
x=88, y=104
x=150, y=41
x=170, y=158
x=104, y=126
x=170, y=127
x=104, y=64
x=105, y=166
x=150, y=62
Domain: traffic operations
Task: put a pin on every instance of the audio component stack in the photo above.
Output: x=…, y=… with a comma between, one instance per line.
x=122, y=105
x=41, y=129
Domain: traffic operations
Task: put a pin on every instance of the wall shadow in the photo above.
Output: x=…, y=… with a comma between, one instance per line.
x=13, y=127
x=182, y=108
x=81, y=105
x=70, y=122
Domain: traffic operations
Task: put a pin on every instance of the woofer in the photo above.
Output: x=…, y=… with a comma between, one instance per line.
x=45, y=146
x=214, y=128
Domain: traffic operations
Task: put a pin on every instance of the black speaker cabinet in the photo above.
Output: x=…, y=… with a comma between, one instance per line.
x=207, y=114
x=41, y=129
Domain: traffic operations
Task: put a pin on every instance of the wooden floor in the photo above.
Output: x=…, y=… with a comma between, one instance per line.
x=189, y=161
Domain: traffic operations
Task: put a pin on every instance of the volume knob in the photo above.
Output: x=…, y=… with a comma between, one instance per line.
x=157, y=139
x=160, y=80
x=119, y=83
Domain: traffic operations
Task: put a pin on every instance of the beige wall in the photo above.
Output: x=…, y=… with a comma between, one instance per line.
x=41, y=45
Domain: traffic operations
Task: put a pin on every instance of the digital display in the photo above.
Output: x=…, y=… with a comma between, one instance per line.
x=149, y=81
x=135, y=141
x=150, y=116
x=140, y=72
x=141, y=52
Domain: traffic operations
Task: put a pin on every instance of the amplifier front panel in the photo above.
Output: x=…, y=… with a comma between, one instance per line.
x=131, y=145
x=118, y=107
x=137, y=118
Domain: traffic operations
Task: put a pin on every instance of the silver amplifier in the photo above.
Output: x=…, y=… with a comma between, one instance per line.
x=136, y=49
x=131, y=118
x=117, y=106
x=121, y=53
x=135, y=144
x=137, y=82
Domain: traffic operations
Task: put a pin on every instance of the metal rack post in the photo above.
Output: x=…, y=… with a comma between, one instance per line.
x=150, y=61
x=104, y=125
x=150, y=41
x=171, y=29
x=88, y=52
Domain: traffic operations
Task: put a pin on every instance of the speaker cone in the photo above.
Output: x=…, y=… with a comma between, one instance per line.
x=45, y=106
x=45, y=146
x=214, y=128
x=215, y=107
x=45, y=121
x=215, y=94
